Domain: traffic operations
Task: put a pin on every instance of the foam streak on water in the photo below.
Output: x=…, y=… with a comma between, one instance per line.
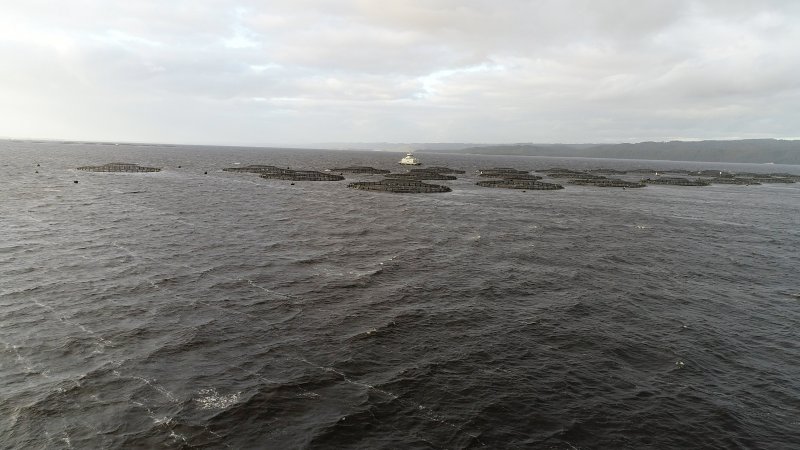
x=177, y=309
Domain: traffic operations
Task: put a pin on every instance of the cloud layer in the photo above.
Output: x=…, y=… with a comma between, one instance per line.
x=300, y=71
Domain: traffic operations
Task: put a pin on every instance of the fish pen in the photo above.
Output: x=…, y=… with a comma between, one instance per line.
x=439, y=169
x=520, y=176
x=119, y=167
x=767, y=180
x=576, y=174
x=498, y=172
x=532, y=185
x=421, y=176
x=676, y=181
x=361, y=170
x=607, y=182
x=734, y=180
x=399, y=186
x=257, y=168
x=301, y=175
x=603, y=171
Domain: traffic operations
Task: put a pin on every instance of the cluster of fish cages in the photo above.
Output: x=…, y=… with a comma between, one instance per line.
x=532, y=185
x=361, y=170
x=301, y=175
x=676, y=181
x=119, y=167
x=607, y=182
x=399, y=186
x=423, y=175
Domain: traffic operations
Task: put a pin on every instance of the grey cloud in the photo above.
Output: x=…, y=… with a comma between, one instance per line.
x=490, y=71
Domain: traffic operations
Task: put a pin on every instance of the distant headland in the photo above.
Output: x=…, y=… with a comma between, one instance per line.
x=758, y=151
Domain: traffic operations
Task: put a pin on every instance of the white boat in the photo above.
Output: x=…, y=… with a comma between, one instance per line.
x=409, y=160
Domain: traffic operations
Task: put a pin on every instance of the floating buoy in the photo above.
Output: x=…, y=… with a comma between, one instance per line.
x=76, y=181
x=37, y=171
x=205, y=173
x=292, y=184
x=37, y=165
x=179, y=167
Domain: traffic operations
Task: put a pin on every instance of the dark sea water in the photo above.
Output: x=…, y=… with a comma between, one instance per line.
x=183, y=310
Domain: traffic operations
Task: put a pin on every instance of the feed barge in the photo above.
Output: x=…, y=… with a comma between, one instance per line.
x=399, y=186
x=301, y=175
x=119, y=167
x=532, y=185
x=676, y=181
x=607, y=182
x=360, y=170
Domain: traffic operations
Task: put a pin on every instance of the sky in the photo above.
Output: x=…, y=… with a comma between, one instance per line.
x=481, y=71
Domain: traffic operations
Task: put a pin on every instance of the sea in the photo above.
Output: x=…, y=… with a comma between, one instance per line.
x=196, y=308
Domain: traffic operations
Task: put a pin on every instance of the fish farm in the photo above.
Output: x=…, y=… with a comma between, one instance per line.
x=361, y=170
x=301, y=175
x=532, y=185
x=119, y=167
x=399, y=186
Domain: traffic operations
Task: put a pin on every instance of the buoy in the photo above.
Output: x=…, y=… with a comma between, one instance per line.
x=179, y=167
x=76, y=181
x=37, y=171
x=205, y=173
x=292, y=184
x=37, y=165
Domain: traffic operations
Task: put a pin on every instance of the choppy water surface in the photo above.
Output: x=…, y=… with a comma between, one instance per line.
x=178, y=309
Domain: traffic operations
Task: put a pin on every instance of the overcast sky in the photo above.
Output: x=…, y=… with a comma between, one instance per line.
x=492, y=71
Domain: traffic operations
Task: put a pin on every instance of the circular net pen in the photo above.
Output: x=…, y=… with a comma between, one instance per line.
x=575, y=174
x=421, y=176
x=521, y=176
x=676, y=181
x=499, y=172
x=119, y=167
x=257, y=168
x=607, y=182
x=768, y=180
x=605, y=171
x=360, y=170
x=301, y=175
x=438, y=169
x=735, y=180
x=532, y=185
x=399, y=186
